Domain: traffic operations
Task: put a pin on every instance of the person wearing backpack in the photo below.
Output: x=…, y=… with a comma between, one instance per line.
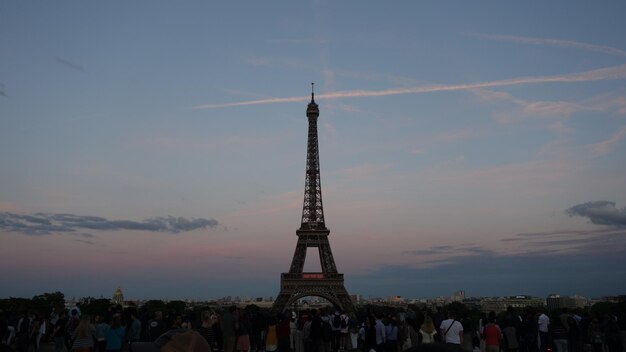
x=59, y=332
x=327, y=334
x=23, y=332
x=379, y=330
x=427, y=332
x=335, y=324
x=391, y=335
x=343, y=331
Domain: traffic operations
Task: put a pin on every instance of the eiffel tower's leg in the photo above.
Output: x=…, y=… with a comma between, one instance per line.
x=326, y=257
x=281, y=302
x=345, y=300
x=297, y=263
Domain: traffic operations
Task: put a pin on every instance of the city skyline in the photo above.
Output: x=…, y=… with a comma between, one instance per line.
x=161, y=147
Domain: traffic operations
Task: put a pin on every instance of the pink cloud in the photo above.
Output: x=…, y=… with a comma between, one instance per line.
x=9, y=206
x=606, y=146
x=531, y=108
x=185, y=143
x=363, y=170
x=330, y=129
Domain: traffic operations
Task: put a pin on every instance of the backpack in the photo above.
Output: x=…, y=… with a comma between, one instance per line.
x=336, y=320
x=25, y=326
x=327, y=330
x=306, y=331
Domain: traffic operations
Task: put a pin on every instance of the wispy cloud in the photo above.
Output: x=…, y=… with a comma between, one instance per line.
x=70, y=64
x=2, y=93
x=330, y=129
x=587, y=242
x=363, y=169
x=298, y=41
x=8, y=206
x=605, y=146
x=534, y=108
x=84, y=241
x=45, y=224
x=186, y=143
x=468, y=249
x=557, y=114
x=85, y=238
x=607, y=73
x=549, y=234
x=450, y=136
x=552, y=42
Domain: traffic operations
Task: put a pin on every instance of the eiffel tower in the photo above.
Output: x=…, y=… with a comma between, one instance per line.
x=312, y=233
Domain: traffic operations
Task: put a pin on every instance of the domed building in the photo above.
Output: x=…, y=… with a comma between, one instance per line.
x=118, y=296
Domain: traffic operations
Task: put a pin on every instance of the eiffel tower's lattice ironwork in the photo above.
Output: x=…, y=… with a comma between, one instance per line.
x=327, y=284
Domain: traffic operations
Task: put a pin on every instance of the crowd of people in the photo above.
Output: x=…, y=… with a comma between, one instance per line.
x=312, y=330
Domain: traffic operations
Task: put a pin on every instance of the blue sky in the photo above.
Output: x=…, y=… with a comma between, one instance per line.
x=160, y=146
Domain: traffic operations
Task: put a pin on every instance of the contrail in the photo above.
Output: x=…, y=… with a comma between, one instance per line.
x=554, y=42
x=607, y=73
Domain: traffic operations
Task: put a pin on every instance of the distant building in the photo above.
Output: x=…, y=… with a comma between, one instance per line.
x=356, y=298
x=458, y=296
x=556, y=302
x=118, y=296
x=395, y=299
x=500, y=304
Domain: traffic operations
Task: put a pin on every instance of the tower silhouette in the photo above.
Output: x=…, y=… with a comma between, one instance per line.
x=312, y=233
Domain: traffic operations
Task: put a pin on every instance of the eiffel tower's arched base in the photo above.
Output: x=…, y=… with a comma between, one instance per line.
x=328, y=286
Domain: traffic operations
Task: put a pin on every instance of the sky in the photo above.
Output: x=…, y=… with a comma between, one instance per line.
x=160, y=146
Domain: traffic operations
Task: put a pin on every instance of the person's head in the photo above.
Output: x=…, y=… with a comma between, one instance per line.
x=371, y=319
x=428, y=320
x=129, y=313
x=206, y=316
x=451, y=314
x=428, y=325
x=158, y=315
x=178, y=320
x=116, y=321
